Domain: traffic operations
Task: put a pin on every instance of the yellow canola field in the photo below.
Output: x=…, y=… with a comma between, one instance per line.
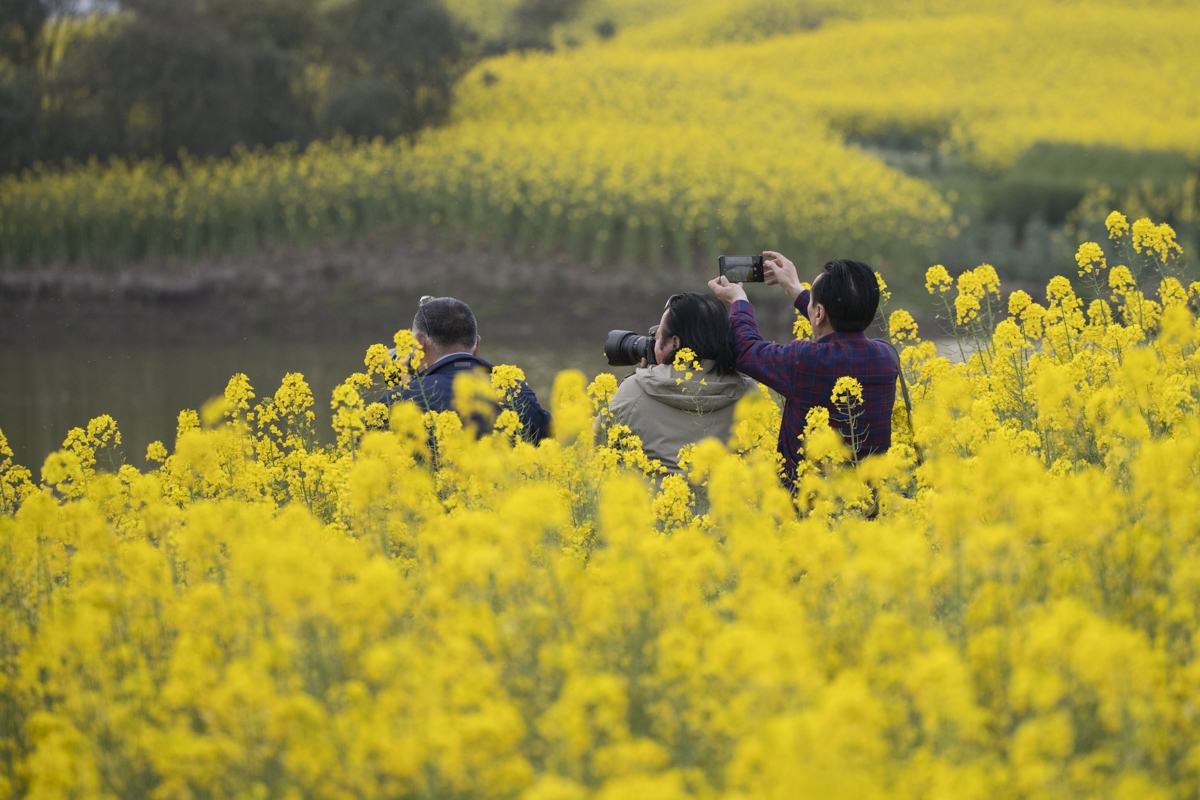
x=700, y=128
x=985, y=80
x=415, y=613
x=632, y=195
x=1088, y=73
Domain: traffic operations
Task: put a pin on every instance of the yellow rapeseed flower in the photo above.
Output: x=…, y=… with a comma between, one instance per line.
x=937, y=279
x=1117, y=225
x=847, y=391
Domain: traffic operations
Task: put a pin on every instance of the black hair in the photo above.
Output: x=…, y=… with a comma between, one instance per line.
x=701, y=322
x=447, y=323
x=849, y=291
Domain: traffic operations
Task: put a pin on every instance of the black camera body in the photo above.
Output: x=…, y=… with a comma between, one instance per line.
x=627, y=349
x=742, y=269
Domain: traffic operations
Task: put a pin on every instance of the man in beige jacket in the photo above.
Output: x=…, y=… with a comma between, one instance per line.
x=665, y=407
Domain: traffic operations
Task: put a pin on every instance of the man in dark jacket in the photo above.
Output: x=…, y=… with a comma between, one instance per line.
x=449, y=337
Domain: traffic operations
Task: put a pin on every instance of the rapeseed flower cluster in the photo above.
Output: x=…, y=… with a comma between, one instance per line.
x=418, y=611
x=685, y=361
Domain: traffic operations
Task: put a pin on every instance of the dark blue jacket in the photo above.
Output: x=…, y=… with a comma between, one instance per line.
x=433, y=390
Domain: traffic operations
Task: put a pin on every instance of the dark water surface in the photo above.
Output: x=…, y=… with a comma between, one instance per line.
x=45, y=390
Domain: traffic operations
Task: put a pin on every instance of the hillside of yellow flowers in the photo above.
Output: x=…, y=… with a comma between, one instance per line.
x=696, y=128
x=1004, y=605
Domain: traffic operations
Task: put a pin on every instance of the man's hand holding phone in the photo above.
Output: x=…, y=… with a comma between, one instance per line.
x=779, y=271
x=728, y=293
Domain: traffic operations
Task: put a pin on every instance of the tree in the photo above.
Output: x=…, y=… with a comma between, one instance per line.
x=20, y=104
x=286, y=25
x=396, y=62
x=535, y=19
x=21, y=24
x=137, y=78
x=168, y=79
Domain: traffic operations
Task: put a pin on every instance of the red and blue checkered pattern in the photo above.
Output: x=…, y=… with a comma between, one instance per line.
x=805, y=372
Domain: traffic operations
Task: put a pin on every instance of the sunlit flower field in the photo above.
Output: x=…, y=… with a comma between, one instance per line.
x=699, y=128
x=1004, y=605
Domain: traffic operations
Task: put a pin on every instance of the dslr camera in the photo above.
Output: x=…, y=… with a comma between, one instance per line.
x=627, y=349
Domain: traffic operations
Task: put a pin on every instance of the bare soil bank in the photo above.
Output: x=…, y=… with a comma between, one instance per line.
x=336, y=292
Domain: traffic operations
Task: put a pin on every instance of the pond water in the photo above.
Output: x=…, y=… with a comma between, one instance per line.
x=47, y=390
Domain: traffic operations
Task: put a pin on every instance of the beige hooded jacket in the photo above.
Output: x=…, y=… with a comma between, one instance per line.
x=668, y=412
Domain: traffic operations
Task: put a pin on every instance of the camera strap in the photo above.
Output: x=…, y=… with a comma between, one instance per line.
x=904, y=393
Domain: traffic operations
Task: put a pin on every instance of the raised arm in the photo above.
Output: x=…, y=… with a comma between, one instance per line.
x=774, y=365
x=770, y=364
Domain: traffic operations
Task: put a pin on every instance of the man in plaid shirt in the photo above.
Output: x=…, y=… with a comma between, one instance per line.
x=840, y=307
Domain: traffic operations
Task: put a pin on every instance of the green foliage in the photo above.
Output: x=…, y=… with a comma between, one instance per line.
x=171, y=80
x=19, y=100
x=396, y=62
x=20, y=23
x=534, y=20
x=505, y=25
x=158, y=77
x=1052, y=178
x=285, y=24
x=914, y=133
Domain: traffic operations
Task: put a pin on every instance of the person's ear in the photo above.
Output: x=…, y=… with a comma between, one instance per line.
x=475, y=350
x=818, y=314
x=675, y=343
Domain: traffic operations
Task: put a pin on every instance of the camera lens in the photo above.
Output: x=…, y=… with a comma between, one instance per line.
x=627, y=349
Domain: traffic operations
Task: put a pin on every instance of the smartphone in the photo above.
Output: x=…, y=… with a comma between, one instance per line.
x=742, y=269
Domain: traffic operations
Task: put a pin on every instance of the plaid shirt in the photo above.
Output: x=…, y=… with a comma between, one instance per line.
x=804, y=373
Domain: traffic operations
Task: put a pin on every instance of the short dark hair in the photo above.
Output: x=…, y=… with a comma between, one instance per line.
x=701, y=321
x=849, y=291
x=450, y=323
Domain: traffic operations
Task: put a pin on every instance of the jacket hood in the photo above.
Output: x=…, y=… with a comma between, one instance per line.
x=668, y=386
